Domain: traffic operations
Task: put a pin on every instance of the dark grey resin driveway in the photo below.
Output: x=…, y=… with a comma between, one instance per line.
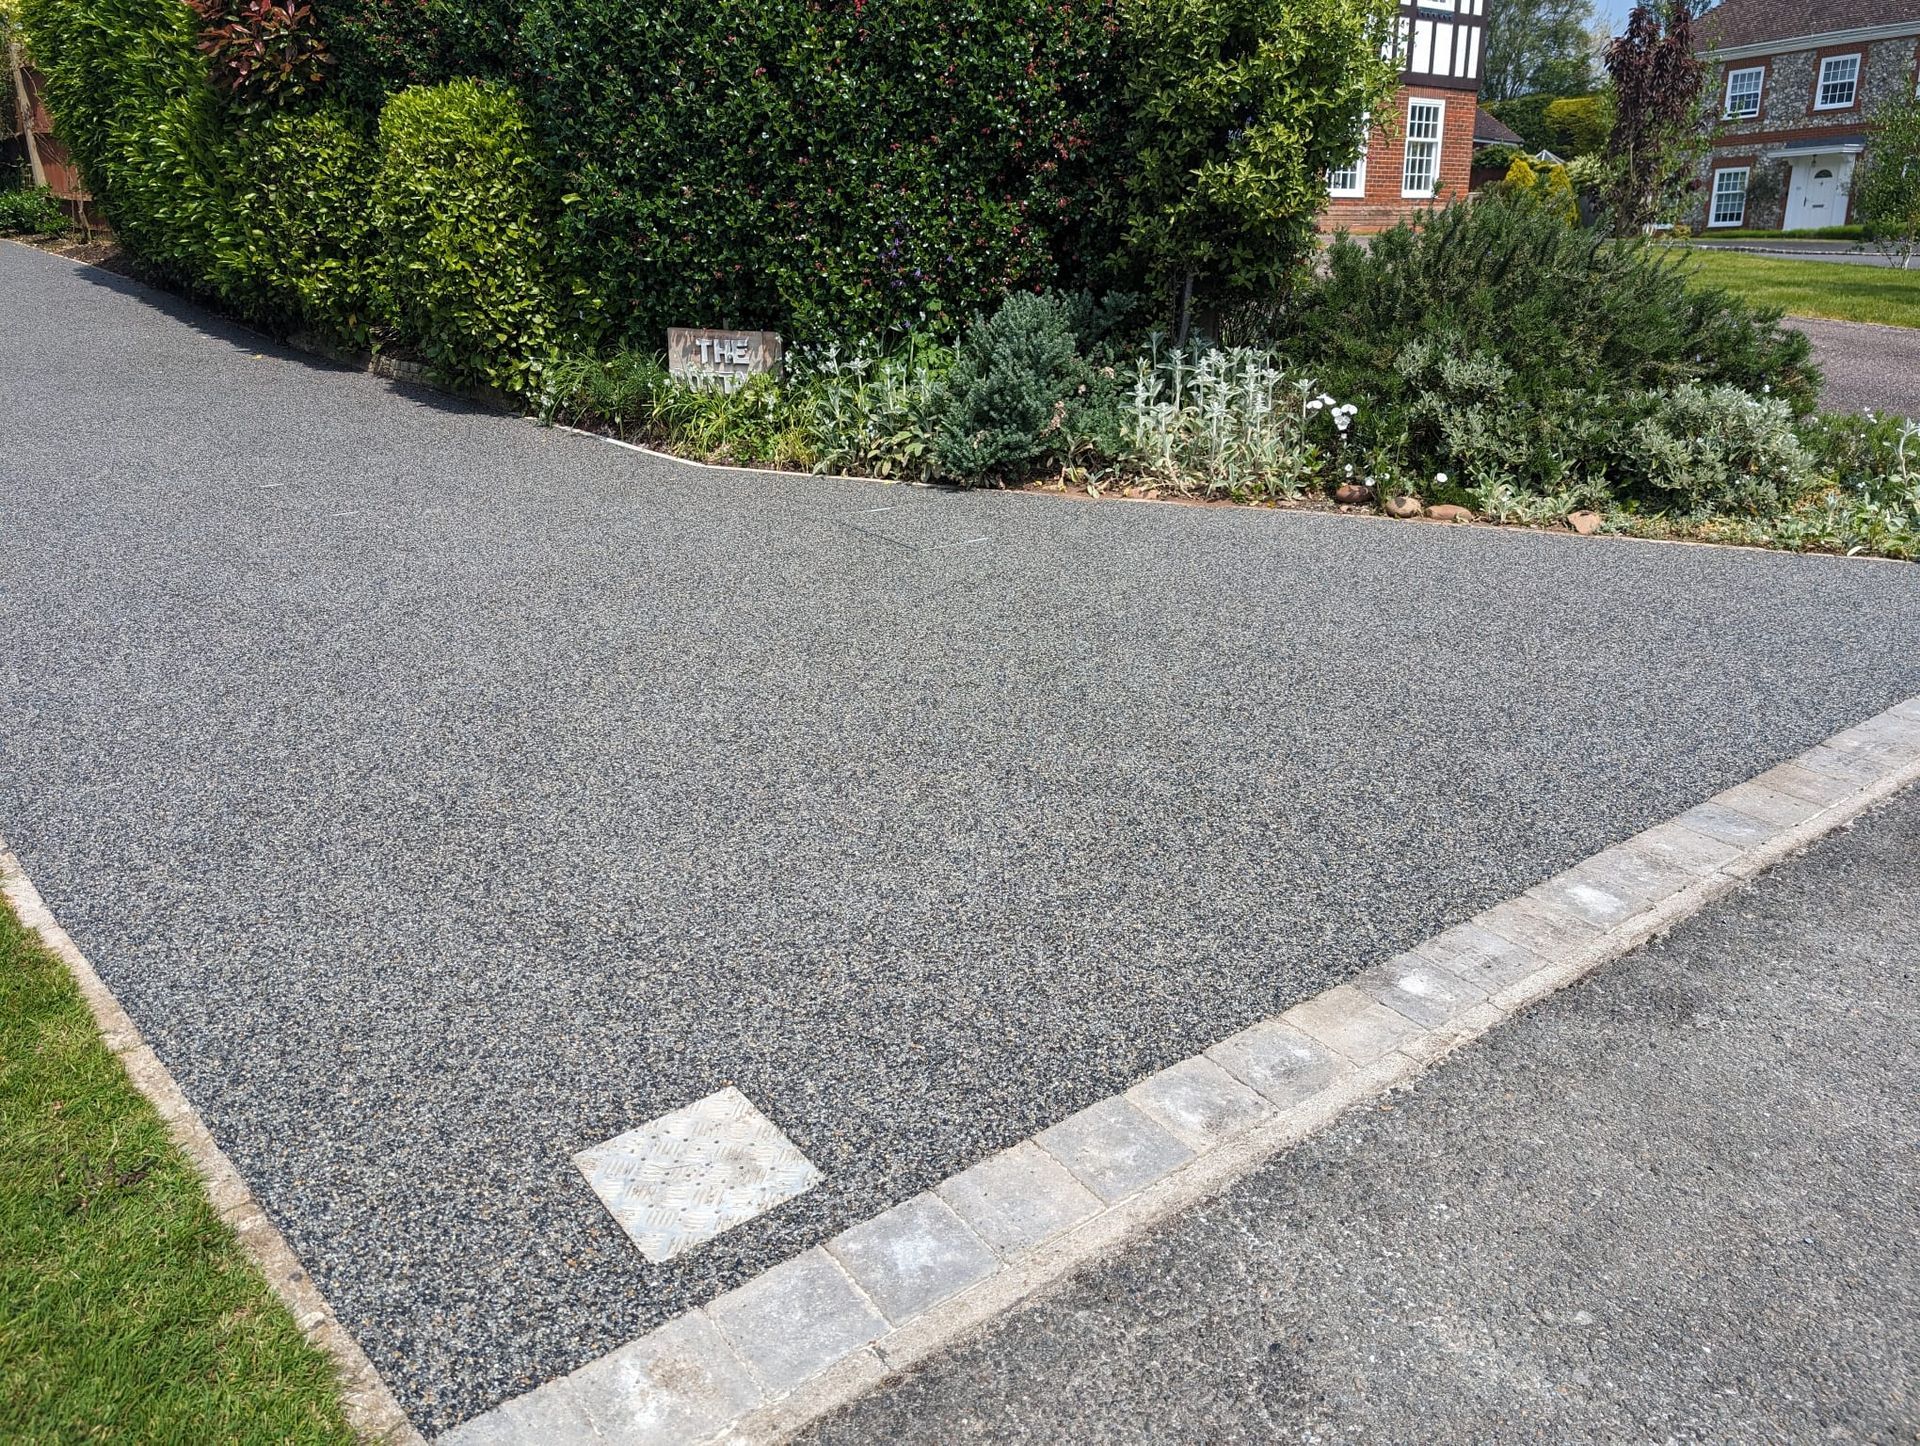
x=443, y=795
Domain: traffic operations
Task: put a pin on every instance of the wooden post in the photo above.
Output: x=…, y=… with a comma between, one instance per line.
x=23, y=104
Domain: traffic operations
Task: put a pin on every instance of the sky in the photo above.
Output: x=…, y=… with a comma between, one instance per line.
x=1614, y=12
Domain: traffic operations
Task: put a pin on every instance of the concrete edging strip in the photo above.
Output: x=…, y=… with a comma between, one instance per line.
x=369, y=1407
x=815, y=1333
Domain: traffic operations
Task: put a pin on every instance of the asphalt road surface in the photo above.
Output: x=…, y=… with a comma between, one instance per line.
x=1868, y=367
x=443, y=795
x=1677, y=1203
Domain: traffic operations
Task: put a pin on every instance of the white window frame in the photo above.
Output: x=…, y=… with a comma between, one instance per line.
x=1759, y=92
x=1358, y=190
x=1745, y=173
x=1409, y=192
x=1853, y=95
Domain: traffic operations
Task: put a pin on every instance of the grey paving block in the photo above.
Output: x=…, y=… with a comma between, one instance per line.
x=1200, y=1102
x=1767, y=805
x=913, y=1256
x=676, y=1384
x=1550, y=930
x=1809, y=784
x=1615, y=884
x=1486, y=960
x=1420, y=989
x=797, y=1319
x=1278, y=1060
x=1019, y=1198
x=1684, y=848
x=1860, y=766
x=676, y=1182
x=1344, y=1019
x=554, y=1413
x=1113, y=1148
x=1717, y=820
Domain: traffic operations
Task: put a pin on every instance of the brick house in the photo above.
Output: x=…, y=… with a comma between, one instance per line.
x=1796, y=85
x=1426, y=153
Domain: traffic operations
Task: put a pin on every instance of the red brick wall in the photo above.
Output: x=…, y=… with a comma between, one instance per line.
x=1383, y=205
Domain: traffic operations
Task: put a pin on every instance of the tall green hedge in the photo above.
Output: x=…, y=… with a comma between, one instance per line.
x=829, y=168
x=489, y=180
x=459, y=203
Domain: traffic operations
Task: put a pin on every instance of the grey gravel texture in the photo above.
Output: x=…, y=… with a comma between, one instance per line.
x=1677, y=1203
x=1868, y=368
x=442, y=795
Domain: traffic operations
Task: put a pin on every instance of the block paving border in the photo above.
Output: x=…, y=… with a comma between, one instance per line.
x=808, y=1336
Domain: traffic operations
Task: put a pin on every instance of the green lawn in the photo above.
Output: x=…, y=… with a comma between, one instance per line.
x=127, y=1312
x=1816, y=288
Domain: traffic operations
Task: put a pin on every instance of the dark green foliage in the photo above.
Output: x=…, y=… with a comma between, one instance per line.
x=381, y=46
x=1236, y=110
x=129, y=94
x=308, y=217
x=460, y=209
x=836, y=170
x=1018, y=392
x=1579, y=125
x=30, y=211
x=1491, y=332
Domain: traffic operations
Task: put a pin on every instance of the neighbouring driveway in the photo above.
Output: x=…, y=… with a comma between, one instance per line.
x=443, y=795
x=1677, y=1203
x=1868, y=367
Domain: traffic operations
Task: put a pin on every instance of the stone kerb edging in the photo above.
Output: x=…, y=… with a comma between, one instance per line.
x=810, y=1335
x=368, y=1405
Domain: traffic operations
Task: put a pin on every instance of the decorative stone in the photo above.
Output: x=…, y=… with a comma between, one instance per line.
x=1353, y=494
x=1404, y=507
x=1584, y=523
x=1447, y=512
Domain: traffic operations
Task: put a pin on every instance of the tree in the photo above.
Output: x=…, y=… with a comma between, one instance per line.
x=1886, y=195
x=1661, y=123
x=1538, y=46
x=1237, y=111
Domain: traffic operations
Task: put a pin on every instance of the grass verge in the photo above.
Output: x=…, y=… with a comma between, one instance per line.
x=127, y=1310
x=1815, y=288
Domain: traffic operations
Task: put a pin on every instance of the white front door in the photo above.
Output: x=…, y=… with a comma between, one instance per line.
x=1817, y=194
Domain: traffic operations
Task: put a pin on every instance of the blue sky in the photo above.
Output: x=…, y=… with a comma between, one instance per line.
x=1614, y=12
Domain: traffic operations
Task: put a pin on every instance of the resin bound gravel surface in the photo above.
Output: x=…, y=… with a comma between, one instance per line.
x=443, y=795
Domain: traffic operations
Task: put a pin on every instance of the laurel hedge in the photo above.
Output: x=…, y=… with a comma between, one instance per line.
x=490, y=181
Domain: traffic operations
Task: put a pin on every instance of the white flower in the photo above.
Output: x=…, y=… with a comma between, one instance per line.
x=1315, y=405
x=1441, y=478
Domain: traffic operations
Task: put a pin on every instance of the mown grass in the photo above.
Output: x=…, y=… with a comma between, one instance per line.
x=1828, y=289
x=127, y=1311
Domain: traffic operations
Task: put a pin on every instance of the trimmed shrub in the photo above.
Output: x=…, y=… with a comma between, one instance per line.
x=459, y=205
x=309, y=221
x=1016, y=376
x=1236, y=110
x=1717, y=450
x=384, y=46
